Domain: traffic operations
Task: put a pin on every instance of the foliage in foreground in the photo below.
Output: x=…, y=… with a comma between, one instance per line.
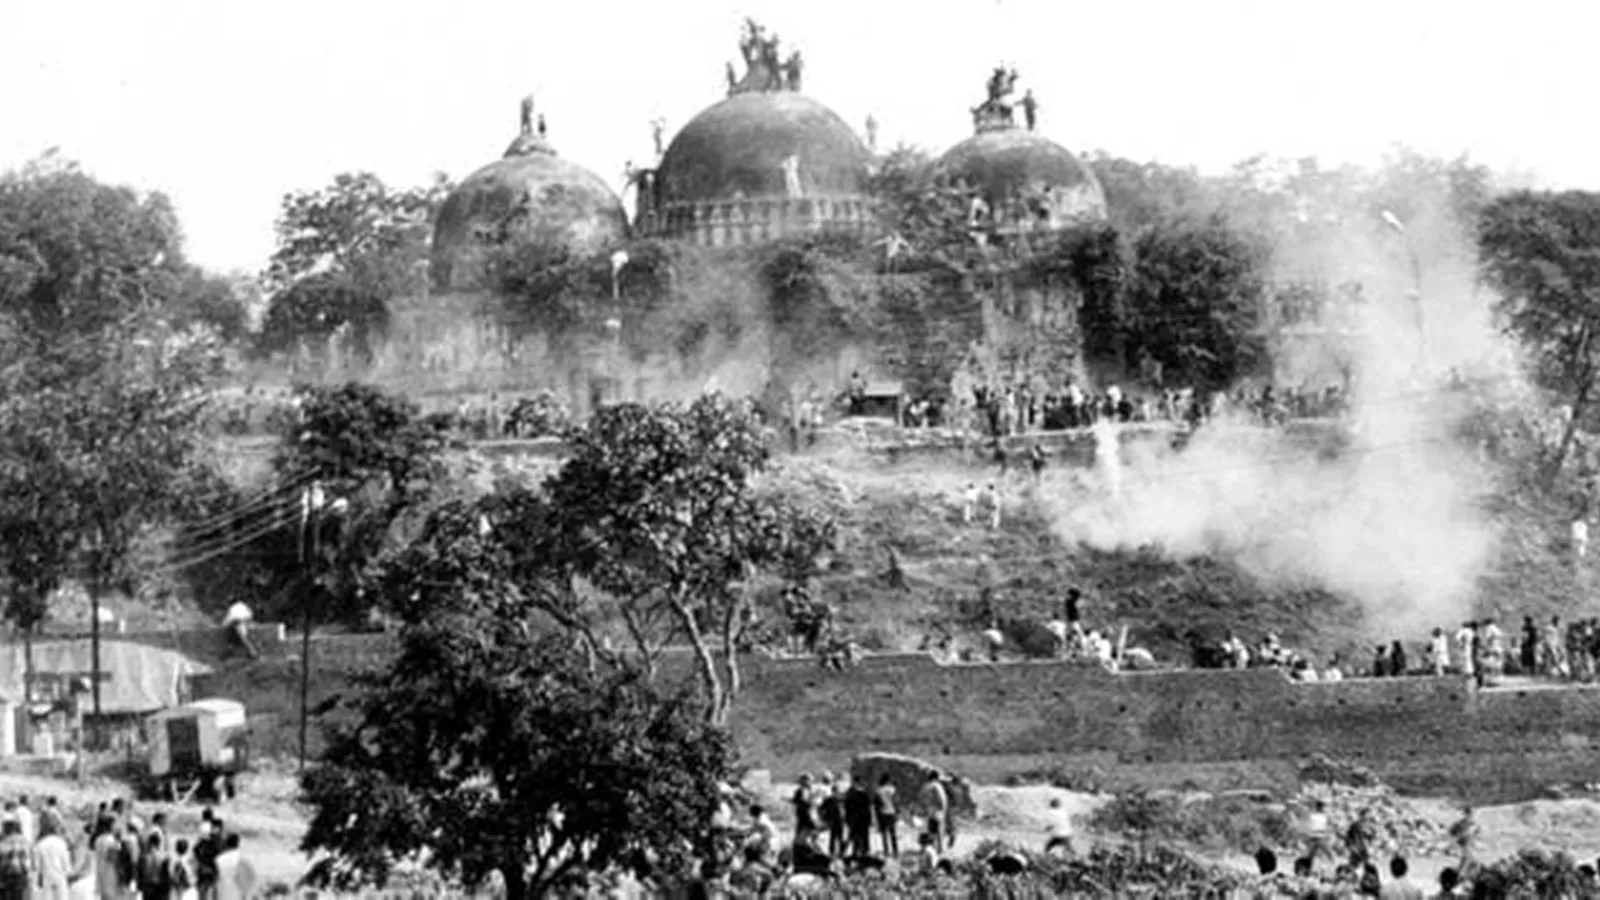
x=484, y=749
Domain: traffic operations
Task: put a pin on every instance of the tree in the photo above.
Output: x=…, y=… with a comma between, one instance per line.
x=542, y=285
x=98, y=397
x=486, y=748
x=1139, y=195
x=343, y=252
x=213, y=301
x=1195, y=301
x=373, y=450
x=1541, y=252
x=656, y=508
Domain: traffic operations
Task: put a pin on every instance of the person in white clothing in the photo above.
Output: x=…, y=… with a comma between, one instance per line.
x=26, y=819
x=992, y=496
x=1580, y=538
x=237, y=626
x=236, y=878
x=1464, y=637
x=969, y=503
x=1059, y=829
x=53, y=860
x=1439, y=652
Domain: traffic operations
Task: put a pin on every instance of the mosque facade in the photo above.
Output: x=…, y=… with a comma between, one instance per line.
x=764, y=163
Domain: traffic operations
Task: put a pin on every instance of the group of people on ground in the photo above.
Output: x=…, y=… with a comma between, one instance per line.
x=114, y=854
x=835, y=822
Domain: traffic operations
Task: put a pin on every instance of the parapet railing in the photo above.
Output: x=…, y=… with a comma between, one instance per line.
x=737, y=222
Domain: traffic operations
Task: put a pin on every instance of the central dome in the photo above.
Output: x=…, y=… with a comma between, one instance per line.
x=763, y=163
x=740, y=146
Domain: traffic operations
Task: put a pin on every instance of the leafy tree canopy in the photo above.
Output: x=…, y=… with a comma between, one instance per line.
x=1195, y=301
x=98, y=394
x=483, y=748
x=656, y=513
x=343, y=252
x=1541, y=253
x=364, y=446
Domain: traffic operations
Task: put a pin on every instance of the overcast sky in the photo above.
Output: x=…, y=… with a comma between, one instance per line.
x=228, y=105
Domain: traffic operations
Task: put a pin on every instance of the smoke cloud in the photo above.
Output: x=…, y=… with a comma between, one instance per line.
x=1383, y=508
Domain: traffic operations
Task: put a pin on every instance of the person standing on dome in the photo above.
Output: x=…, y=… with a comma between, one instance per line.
x=791, y=176
x=1030, y=108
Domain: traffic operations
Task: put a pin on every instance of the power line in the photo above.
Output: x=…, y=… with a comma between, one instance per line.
x=221, y=548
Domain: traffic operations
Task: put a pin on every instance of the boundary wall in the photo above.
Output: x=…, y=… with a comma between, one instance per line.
x=1212, y=729
x=1206, y=729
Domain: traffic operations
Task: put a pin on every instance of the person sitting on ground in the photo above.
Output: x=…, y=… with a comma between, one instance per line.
x=928, y=857
x=236, y=625
x=755, y=877
x=764, y=837
x=995, y=639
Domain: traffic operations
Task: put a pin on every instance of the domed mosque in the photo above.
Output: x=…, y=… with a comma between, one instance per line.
x=1022, y=180
x=764, y=163
x=532, y=190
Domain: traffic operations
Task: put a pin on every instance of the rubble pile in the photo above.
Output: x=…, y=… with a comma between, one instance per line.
x=1400, y=828
x=1326, y=770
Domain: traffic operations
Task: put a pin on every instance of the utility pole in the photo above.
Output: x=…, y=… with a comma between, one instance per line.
x=313, y=502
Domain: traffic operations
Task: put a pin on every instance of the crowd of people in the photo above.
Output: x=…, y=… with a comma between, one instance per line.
x=1479, y=649
x=841, y=825
x=1023, y=409
x=844, y=827
x=112, y=853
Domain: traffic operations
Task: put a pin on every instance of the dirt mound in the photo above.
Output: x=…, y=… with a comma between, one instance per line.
x=1400, y=826
x=908, y=775
x=1323, y=770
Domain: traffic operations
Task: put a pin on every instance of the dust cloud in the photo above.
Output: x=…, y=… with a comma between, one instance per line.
x=1382, y=507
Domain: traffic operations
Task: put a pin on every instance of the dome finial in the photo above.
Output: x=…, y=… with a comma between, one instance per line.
x=995, y=113
x=530, y=136
x=763, y=69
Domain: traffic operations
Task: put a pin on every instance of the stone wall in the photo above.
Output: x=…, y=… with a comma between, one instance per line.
x=1191, y=728
x=1206, y=728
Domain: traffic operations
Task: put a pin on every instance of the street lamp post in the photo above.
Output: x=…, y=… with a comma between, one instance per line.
x=313, y=503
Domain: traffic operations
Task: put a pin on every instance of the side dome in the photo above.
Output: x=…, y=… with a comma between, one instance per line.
x=1022, y=176
x=534, y=191
x=763, y=163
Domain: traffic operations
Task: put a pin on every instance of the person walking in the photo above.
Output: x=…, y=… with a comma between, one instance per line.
x=54, y=858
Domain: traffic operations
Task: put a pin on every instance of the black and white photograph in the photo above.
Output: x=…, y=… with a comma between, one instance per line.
x=742, y=449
